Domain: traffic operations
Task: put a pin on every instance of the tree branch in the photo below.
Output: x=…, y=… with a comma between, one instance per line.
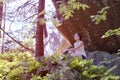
x=58, y=15
x=17, y=41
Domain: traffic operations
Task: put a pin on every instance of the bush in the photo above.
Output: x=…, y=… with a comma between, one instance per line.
x=16, y=66
x=23, y=66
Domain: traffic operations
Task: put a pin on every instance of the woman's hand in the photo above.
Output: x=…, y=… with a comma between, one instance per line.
x=71, y=49
x=65, y=51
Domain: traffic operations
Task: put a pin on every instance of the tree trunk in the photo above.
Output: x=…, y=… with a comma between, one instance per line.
x=1, y=34
x=39, y=31
x=1, y=10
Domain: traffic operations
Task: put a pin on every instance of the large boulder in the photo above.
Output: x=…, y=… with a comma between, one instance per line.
x=91, y=33
x=98, y=56
x=105, y=58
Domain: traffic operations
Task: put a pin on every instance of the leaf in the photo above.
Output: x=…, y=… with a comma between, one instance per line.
x=85, y=73
x=103, y=17
x=68, y=9
x=42, y=21
x=1, y=75
x=111, y=32
x=84, y=6
x=92, y=16
x=100, y=16
x=56, y=23
x=111, y=77
x=66, y=17
x=109, y=70
x=93, y=76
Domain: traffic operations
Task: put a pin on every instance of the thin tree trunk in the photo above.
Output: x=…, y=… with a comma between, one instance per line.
x=2, y=34
x=39, y=31
x=1, y=11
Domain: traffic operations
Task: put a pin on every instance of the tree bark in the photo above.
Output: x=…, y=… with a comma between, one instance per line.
x=1, y=34
x=39, y=31
x=1, y=11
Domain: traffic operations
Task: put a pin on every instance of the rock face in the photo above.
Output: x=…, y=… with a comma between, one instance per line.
x=109, y=60
x=91, y=33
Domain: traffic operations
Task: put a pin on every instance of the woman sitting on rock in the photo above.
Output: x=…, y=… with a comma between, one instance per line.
x=78, y=49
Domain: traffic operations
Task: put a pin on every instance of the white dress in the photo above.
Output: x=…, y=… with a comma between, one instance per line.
x=80, y=51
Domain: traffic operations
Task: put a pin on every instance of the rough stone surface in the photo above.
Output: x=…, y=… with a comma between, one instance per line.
x=109, y=60
x=91, y=33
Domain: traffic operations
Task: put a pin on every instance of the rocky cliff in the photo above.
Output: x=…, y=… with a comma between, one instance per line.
x=91, y=33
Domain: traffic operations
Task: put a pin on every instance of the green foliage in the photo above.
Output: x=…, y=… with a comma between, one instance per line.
x=39, y=78
x=36, y=78
x=67, y=8
x=14, y=65
x=118, y=53
x=20, y=66
x=91, y=72
x=74, y=68
x=56, y=22
x=100, y=16
x=42, y=21
x=112, y=32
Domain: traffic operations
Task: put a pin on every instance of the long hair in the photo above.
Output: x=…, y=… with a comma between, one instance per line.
x=80, y=37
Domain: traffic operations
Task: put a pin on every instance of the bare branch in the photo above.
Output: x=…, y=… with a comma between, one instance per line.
x=17, y=41
x=30, y=17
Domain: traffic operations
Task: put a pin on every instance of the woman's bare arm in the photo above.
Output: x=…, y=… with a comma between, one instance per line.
x=73, y=49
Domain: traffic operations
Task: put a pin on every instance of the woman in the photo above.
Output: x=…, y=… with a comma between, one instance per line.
x=78, y=49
